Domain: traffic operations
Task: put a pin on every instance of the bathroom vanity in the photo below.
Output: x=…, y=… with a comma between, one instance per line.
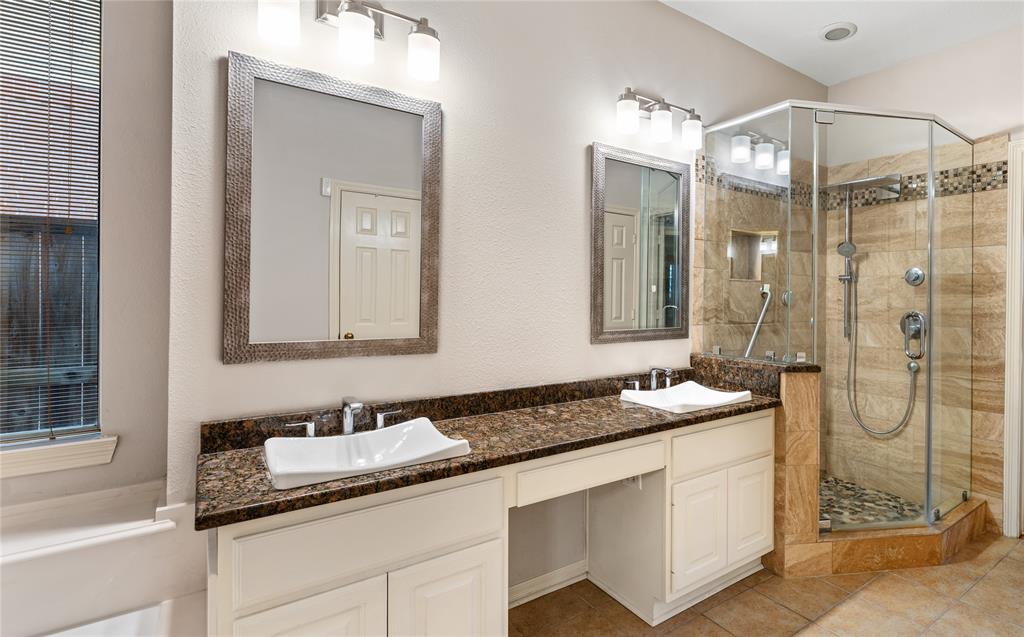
x=680, y=506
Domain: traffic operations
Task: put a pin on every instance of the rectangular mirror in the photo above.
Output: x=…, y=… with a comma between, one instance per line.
x=331, y=218
x=640, y=240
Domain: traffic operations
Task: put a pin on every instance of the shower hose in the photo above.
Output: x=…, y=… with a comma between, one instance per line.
x=851, y=377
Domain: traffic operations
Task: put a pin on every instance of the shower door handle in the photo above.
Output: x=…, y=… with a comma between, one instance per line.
x=913, y=326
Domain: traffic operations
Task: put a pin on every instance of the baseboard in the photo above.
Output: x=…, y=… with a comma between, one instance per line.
x=543, y=584
x=663, y=611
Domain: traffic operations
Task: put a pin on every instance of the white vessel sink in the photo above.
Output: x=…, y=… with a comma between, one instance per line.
x=683, y=398
x=296, y=462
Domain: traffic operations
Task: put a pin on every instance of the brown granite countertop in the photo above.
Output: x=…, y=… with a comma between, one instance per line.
x=234, y=486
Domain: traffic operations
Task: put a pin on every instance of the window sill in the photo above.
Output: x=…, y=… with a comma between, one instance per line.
x=56, y=456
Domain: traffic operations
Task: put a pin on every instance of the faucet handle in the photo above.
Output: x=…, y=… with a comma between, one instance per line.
x=668, y=371
x=309, y=425
x=382, y=416
x=632, y=384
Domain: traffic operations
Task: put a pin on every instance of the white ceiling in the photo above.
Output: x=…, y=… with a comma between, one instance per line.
x=888, y=32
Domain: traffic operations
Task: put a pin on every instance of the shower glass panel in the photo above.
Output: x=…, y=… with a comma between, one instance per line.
x=874, y=355
x=860, y=227
x=951, y=301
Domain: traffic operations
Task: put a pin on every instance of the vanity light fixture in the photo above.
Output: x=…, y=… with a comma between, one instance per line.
x=627, y=112
x=278, y=21
x=359, y=23
x=632, y=105
x=764, y=156
x=740, y=149
x=782, y=162
x=355, y=33
x=661, y=123
x=693, y=131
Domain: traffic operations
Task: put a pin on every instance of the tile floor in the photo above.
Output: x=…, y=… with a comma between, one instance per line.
x=980, y=593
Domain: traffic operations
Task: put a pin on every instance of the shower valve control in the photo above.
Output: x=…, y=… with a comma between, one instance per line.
x=914, y=276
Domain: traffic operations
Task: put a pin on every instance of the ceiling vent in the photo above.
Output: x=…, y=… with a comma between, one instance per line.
x=838, y=31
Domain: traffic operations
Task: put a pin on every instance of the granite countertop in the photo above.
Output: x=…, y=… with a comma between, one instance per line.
x=234, y=485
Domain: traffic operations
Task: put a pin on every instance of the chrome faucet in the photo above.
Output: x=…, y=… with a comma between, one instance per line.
x=349, y=408
x=667, y=371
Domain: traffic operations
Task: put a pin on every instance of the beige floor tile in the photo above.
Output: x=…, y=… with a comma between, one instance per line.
x=951, y=580
x=751, y=613
x=810, y=597
x=816, y=630
x=547, y=611
x=850, y=581
x=1000, y=591
x=721, y=596
x=900, y=596
x=700, y=627
x=592, y=595
x=588, y=624
x=756, y=578
x=963, y=619
x=856, y=617
x=1018, y=551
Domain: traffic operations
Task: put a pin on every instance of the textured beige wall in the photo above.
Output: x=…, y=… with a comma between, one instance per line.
x=525, y=88
x=978, y=86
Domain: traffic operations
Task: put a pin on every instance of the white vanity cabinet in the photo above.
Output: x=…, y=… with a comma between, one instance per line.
x=682, y=533
x=457, y=594
x=356, y=610
x=723, y=511
x=430, y=559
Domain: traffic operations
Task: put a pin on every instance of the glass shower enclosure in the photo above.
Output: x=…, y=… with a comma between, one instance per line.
x=843, y=236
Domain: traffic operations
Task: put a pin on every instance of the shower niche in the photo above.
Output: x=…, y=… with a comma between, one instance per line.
x=843, y=237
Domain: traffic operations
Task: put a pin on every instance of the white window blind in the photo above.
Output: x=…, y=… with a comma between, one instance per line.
x=49, y=218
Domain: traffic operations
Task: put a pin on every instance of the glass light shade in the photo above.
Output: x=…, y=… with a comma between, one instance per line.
x=278, y=21
x=693, y=134
x=764, y=156
x=424, y=60
x=627, y=115
x=740, y=149
x=355, y=37
x=661, y=126
x=782, y=163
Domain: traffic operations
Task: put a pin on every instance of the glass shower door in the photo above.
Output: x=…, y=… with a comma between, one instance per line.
x=873, y=215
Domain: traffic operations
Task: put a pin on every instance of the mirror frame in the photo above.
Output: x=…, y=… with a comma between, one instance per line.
x=243, y=71
x=601, y=153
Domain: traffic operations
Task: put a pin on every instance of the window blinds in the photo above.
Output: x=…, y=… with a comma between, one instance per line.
x=49, y=218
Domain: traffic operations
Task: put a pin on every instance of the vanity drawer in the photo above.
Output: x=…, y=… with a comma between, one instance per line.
x=699, y=453
x=305, y=557
x=577, y=475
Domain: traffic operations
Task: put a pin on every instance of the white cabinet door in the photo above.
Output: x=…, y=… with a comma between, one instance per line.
x=456, y=595
x=356, y=610
x=751, y=509
x=699, y=529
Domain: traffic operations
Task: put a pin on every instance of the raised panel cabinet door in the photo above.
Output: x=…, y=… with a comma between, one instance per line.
x=699, y=529
x=456, y=595
x=356, y=610
x=751, y=509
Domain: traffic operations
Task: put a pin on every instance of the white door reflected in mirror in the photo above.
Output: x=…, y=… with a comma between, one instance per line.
x=335, y=218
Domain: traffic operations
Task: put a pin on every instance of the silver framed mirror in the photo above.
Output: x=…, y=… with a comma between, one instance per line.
x=331, y=217
x=640, y=263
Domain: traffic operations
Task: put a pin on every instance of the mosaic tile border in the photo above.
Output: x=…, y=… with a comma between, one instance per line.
x=954, y=181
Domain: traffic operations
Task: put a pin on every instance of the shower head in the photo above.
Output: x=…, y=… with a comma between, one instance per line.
x=847, y=249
